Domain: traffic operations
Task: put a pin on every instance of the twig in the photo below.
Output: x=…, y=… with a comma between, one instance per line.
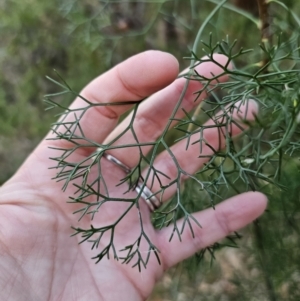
x=263, y=9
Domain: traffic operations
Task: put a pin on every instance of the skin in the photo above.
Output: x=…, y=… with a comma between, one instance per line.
x=39, y=260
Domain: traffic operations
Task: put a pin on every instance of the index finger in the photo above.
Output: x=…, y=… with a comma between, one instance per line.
x=131, y=80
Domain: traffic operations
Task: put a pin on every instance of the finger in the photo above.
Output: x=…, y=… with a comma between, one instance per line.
x=153, y=114
x=229, y=216
x=190, y=160
x=132, y=80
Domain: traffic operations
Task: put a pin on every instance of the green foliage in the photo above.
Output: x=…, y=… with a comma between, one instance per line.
x=35, y=39
x=83, y=34
x=256, y=163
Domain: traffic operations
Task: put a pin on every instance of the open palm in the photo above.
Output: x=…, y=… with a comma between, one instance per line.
x=39, y=260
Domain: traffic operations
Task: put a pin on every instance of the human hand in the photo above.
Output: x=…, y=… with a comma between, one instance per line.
x=38, y=259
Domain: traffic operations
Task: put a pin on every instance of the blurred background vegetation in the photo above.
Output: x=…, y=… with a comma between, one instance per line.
x=82, y=39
